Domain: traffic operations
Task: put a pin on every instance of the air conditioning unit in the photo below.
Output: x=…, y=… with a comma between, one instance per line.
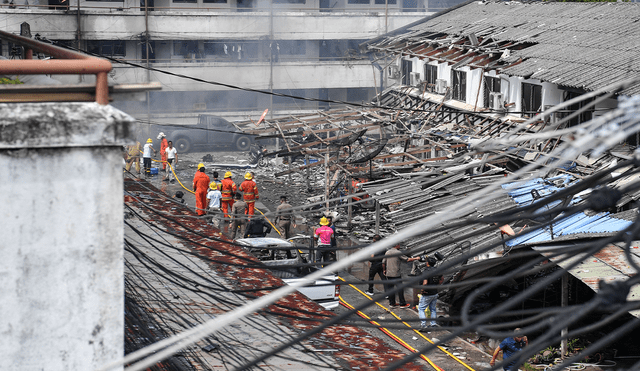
x=200, y=106
x=394, y=72
x=441, y=86
x=496, y=101
x=415, y=78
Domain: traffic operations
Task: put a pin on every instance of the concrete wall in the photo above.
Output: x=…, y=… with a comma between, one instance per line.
x=286, y=75
x=129, y=24
x=61, y=279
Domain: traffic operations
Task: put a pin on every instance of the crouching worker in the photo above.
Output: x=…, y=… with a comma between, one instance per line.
x=257, y=227
x=509, y=347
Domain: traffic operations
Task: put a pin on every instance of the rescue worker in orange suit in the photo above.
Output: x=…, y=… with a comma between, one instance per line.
x=201, y=187
x=228, y=188
x=250, y=192
x=163, y=150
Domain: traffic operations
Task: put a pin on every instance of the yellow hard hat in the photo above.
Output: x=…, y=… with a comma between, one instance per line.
x=149, y=140
x=248, y=176
x=324, y=221
x=228, y=174
x=200, y=165
x=213, y=185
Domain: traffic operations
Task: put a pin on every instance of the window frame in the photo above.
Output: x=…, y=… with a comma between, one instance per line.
x=459, y=85
x=430, y=73
x=531, y=95
x=492, y=84
x=99, y=47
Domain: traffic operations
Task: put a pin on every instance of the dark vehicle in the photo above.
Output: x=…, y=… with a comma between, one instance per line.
x=211, y=131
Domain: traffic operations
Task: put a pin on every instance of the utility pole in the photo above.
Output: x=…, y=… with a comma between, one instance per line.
x=350, y=207
x=564, y=301
x=326, y=178
x=78, y=33
x=308, y=175
x=146, y=44
x=386, y=16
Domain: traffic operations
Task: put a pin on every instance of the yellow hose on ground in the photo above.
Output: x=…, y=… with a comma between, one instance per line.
x=408, y=325
x=392, y=335
x=174, y=174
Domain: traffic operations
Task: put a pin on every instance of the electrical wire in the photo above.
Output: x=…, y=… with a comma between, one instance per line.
x=451, y=212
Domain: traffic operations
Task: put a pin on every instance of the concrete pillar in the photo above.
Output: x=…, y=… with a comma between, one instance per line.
x=61, y=277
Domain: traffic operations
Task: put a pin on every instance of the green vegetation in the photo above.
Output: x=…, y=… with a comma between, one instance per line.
x=6, y=80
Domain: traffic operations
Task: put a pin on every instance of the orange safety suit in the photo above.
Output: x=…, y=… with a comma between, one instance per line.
x=227, y=190
x=164, y=144
x=250, y=194
x=200, y=187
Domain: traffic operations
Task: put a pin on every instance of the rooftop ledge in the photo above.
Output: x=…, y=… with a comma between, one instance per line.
x=55, y=125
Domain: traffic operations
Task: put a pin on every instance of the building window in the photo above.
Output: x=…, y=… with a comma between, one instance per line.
x=407, y=68
x=294, y=47
x=234, y=50
x=289, y=1
x=585, y=116
x=214, y=1
x=185, y=47
x=215, y=48
x=459, y=85
x=382, y=2
x=151, y=48
x=430, y=74
x=491, y=85
x=531, y=99
x=108, y=48
x=360, y=2
x=185, y=1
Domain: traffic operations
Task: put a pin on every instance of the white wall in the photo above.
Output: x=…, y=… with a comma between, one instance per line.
x=551, y=95
x=474, y=79
x=61, y=278
x=444, y=73
x=110, y=24
x=286, y=75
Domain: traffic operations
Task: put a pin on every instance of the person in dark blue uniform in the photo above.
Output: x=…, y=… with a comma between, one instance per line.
x=509, y=347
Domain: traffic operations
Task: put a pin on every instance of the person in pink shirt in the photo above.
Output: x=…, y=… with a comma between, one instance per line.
x=324, y=234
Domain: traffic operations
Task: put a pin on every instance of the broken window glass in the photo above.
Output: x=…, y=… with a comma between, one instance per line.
x=430, y=75
x=531, y=99
x=459, y=85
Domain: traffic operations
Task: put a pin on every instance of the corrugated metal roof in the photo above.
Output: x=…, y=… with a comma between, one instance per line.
x=579, y=225
x=583, y=45
x=608, y=264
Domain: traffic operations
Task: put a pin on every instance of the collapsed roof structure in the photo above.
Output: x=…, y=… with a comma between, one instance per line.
x=181, y=273
x=490, y=89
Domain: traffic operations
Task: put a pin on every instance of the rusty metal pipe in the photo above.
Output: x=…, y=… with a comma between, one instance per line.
x=69, y=62
x=55, y=66
x=102, y=88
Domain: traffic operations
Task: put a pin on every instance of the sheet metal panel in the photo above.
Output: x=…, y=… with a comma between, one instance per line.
x=583, y=45
x=609, y=264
